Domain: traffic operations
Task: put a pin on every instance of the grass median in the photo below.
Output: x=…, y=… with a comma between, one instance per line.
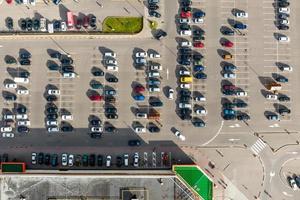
x=122, y=25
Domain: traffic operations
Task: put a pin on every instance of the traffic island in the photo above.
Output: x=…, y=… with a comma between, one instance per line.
x=127, y=25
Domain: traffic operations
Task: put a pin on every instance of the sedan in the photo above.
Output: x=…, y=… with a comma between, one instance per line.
x=227, y=44
x=198, y=45
x=139, y=97
x=141, y=55
x=71, y=160
x=33, y=158
x=64, y=159
x=154, y=13
x=200, y=75
x=8, y=135
x=134, y=143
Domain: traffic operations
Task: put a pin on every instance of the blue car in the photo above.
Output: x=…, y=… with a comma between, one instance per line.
x=153, y=82
x=229, y=67
x=282, y=79
x=240, y=26
x=199, y=14
x=139, y=97
x=198, y=68
x=184, y=62
x=229, y=112
x=200, y=75
x=110, y=92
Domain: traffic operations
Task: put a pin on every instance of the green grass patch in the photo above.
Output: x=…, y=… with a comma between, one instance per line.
x=122, y=24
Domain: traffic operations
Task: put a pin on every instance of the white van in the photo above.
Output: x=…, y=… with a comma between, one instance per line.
x=21, y=80
x=43, y=24
x=126, y=156
x=153, y=74
x=69, y=75
x=112, y=68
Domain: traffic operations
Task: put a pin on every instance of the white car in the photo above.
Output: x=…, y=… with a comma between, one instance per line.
x=154, y=55
x=154, y=74
x=141, y=115
x=108, y=161
x=43, y=24
x=241, y=93
x=200, y=98
x=11, y=86
x=286, y=68
x=6, y=129
x=155, y=67
x=22, y=116
x=179, y=135
x=292, y=183
x=171, y=94
x=186, y=44
x=96, y=129
x=53, y=92
x=63, y=26
x=284, y=10
x=140, y=129
x=186, y=32
x=184, y=72
x=64, y=159
x=284, y=22
x=201, y=111
x=185, y=105
x=24, y=123
x=67, y=117
x=283, y=39
x=110, y=54
x=241, y=14
x=141, y=54
x=136, y=159
x=112, y=68
x=229, y=75
x=185, y=85
x=9, y=116
x=184, y=21
x=8, y=135
x=111, y=62
x=271, y=97
x=22, y=91
x=198, y=20
x=33, y=158
x=53, y=129
x=52, y=123
x=71, y=160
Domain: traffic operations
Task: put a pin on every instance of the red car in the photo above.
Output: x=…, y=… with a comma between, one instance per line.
x=96, y=98
x=228, y=44
x=198, y=45
x=187, y=14
x=9, y=1
x=229, y=87
x=139, y=89
x=86, y=21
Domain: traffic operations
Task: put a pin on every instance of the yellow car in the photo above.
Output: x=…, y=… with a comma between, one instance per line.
x=186, y=79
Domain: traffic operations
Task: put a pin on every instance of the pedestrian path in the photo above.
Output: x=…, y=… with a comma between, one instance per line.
x=258, y=146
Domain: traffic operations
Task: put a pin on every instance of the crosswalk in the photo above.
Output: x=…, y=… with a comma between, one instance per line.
x=258, y=146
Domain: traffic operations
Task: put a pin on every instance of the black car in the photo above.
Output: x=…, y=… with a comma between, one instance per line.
x=186, y=3
x=66, y=61
x=10, y=97
x=184, y=27
x=156, y=103
x=23, y=74
x=112, y=79
x=185, y=117
x=85, y=160
x=283, y=16
x=25, y=55
x=52, y=116
x=185, y=92
x=185, y=50
x=92, y=160
x=41, y=158
x=240, y=103
x=78, y=24
x=111, y=116
x=51, y=98
x=243, y=117
x=154, y=13
x=284, y=98
x=134, y=143
x=186, y=9
x=110, y=129
x=99, y=160
x=119, y=161
x=47, y=159
x=29, y=24
x=93, y=21
x=198, y=123
x=67, y=68
x=23, y=129
x=55, y=55
x=154, y=129
x=153, y=7
x=53, y=67
x=229, y=117
x=52, y=110
x=36, y=24
x=284, y=111
x=5, y=157
x=98, y=72
x=54, y=160
x=95, y=122
x=23, y=24
x=283, y=27
x=21, y=109
x=25, y=62
x=185, y=98
x=198, y=32
x=228, y=32
x=110, y=99
x=198, y=38
x=228, y=105
x=10, y=60
x=96, y=135
x=66, y=128
x=56, y=25
x=111, y=110
x=9, y=23
x=283, y=4
x=228, y=92
x=159, y=34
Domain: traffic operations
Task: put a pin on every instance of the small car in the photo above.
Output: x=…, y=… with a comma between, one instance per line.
x=33, y=158
x=134, y=143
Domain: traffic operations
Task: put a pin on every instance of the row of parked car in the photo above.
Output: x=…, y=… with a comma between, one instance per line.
x=191, y=63
x=234, y=109
x=153, y=6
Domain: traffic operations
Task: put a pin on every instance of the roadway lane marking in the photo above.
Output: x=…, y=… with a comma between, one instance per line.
x=258, y=146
